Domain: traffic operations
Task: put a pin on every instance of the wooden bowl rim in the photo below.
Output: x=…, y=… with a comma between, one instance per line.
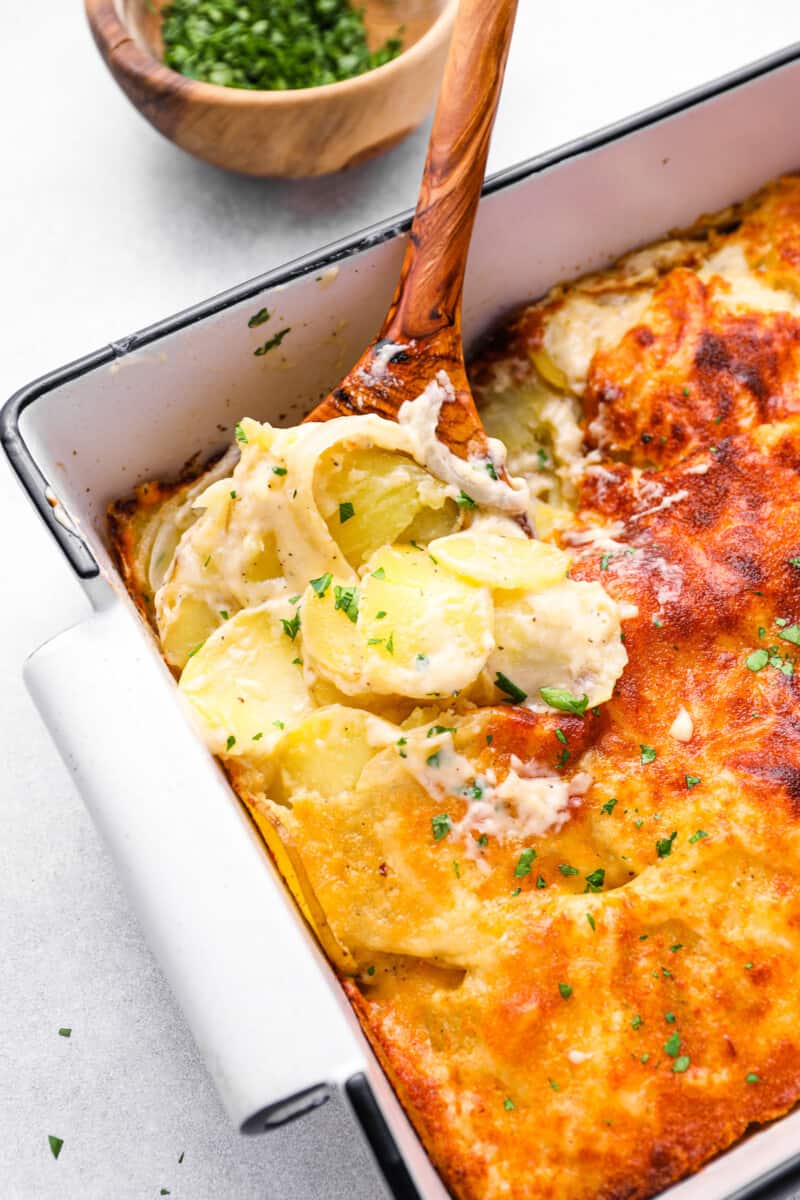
x=112, y=35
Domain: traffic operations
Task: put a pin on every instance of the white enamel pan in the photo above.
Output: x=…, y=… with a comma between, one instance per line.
x=265, y=1008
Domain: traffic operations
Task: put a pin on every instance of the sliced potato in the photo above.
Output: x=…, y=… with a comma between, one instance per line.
x=424, y=631
x=191, y=622
x=326, y=753
x=501, y=562
x=244, y=685
x=369, y=496
x=566, y=637
x=332, y=644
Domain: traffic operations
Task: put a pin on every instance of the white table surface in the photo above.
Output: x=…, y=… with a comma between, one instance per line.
x=105, y=228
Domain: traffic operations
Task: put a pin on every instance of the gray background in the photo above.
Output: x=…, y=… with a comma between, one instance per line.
x=105, y=228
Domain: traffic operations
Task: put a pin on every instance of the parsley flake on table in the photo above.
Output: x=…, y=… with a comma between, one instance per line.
x=441, y=826
x=648, y=754
x=563, y=700
x=664, y=845
x=565, y=991
x=504, y=684
x=55, y=1144
x=523, y=866
x=273, y=342
x=65, y=1031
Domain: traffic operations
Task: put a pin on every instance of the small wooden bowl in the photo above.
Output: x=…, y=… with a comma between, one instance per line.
x=311, y=131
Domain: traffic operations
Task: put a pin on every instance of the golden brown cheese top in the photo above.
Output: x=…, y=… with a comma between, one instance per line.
x=607, y=1043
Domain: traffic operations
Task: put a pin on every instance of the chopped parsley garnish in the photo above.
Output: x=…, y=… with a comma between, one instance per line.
x=233, y=495
x=644, y=1058
x=390, y=643
x=241, y=436
x=752, y=1078
x=504, y=684
x=562, y=737
x=346, y=511
x=380, y=615
x=565, y=990
x=437, y=729
x=279, y=470
x=259, y=318
x=379, y=574
x=555, y=1086
x=664, y=845
x=55, y=1144
x=291, y=628
x=672, y=1046
x=541, y=882
x=566, y=869
x=791, y=634
x=748, y=966
x=371, y=970
x=279, y=724
x=508, y=1104
x=757, y=660
x=543, y=458
x=491, y=471
x=483, y=840
x=595, y=880
x=346, y=599
x=563, y=700
x=523, y=866
x=609, y=806
x=322, y=584
x=604, y=561
x=670, y=1018
x=678, y=946
x=686, y=391
x=433, y=760
x=194, y=650
x=257, y=737
x=647, y=437
x=421, y=662
x=563, y=758
x=464, y=501
x=795, y=562
x=273, y=342
x=441, y=826
x=637, y=1022
x=375, y=641
x=681, y=1064
x=700, y=833
x=591, y=921
x=648, y=754
x=516, y=892
x=692, y=780
x=231, y=742
x=456, y=869
x=65, y=1031
x=295, y=599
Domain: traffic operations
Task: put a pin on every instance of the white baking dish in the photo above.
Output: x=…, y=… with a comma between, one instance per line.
x=265, y=1008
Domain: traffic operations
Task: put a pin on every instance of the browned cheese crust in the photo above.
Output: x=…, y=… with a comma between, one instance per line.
x=697, y=931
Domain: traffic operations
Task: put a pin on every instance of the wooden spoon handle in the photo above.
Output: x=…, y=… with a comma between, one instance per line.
x=428, y=296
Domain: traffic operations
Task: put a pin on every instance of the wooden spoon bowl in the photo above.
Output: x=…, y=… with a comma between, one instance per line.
x=310, y=131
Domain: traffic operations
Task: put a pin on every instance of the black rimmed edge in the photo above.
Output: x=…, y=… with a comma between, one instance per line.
x=19, y=453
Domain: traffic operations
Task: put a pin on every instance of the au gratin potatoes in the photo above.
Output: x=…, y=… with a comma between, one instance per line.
x=540, y=800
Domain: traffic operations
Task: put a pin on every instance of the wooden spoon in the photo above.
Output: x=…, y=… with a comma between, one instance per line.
x=424, y=317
